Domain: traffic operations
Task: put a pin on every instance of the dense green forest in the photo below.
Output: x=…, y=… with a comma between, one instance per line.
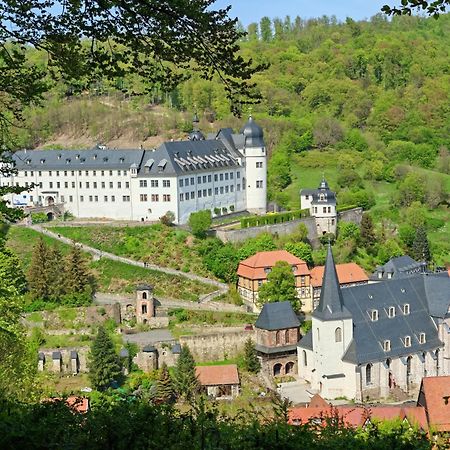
x=364, y=103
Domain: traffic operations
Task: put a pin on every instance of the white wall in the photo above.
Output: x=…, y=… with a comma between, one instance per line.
x=256, y=179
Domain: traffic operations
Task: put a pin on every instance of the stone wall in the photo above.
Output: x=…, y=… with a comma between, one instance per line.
x=217, y=346
x=352, y=215
x=279, y=228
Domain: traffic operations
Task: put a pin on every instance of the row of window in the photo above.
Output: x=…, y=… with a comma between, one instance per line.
x=80, y=172
x=154, y=197
x=87, y=184
x=208, y=192
x=390, y=312
x=154, y=183
x=406, y=342
x=325, y=209
x=208, y=178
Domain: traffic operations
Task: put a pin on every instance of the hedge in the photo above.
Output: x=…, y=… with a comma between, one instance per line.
x=341, y=208
x=271, y=219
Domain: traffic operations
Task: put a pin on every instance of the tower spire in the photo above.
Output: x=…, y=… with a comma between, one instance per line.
x=331, y=304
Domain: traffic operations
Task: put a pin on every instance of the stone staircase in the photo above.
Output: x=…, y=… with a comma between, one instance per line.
x=398, y=394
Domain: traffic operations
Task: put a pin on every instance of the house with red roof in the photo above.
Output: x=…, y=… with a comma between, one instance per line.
x=434, y=397
x=349, y=274
x=252, y=273
x=219, y=382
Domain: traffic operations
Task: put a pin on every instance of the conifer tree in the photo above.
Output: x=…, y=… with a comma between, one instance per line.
x=38, y=273
x=186, y=382
x=55, y=273
x=77, y=276
x=421, y=247
x=251, y=362
x=164, y=386
x=104, y=363
x=367, y=232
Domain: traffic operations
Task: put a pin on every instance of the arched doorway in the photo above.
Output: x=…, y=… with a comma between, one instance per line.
x=50, y=216
x=277, y=369
x=289, y=369
x=50, y=200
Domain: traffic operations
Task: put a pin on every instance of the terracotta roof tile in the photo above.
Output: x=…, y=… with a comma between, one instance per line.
x=347, y=273
x=253, y=267
x=437, y=401
x=318, y=402
x=217, y=375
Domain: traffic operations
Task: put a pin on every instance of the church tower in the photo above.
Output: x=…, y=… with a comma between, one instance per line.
x=332, y=335
x=255, y=155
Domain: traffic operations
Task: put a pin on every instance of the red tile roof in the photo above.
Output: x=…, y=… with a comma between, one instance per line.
x=253, y=267
x=436, y=391
x=76, y=404
x=318, y=402
x=347, y=273
x=357, y=416
x=217, y=375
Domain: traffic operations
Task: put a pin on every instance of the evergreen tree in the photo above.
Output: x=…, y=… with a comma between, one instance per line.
x=367, y=232
x=38, y=273
x=164, y=386
x=77, y=276
x=55, y=274
x=186, y=382
x=421, y=247
x=104, y=364
x=251, y=362
x=280, y=286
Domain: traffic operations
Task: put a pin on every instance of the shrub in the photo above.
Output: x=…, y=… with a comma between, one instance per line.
x=39, y=217
x=168, y=218
x=200, y=222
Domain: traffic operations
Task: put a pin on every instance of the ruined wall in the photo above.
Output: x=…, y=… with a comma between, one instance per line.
x=66, y=367
x=279, y=228
x=352, y=215
x=217, y=346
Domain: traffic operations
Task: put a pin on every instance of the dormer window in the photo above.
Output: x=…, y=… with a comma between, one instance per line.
x=387, y=345
x=403, y=290
x=28, y=161
x=374, y=315
x=121, y=160
x=68, y=161
x=77, y=156
x=406, y=309
x=407, y=341
x=267, y=269
x=294, y=268
x=42, y=161
x=322, y=197
x=391, y=312
x=59, y=156
x=422, y=338
x=105, y=159
x=94, y=157
x=370, y=296
x=389, y=274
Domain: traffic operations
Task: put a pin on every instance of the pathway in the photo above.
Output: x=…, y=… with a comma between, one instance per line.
x=222, y=288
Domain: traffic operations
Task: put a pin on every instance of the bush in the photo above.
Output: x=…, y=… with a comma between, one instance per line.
x=270, y=219
x=168, y=218
x=200, y=222
x=39, y=217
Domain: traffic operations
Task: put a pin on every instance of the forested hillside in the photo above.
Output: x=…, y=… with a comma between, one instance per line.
x=365, y=103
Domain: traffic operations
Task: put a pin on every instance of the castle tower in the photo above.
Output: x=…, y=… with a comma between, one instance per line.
x=332, y=335
x=255, y=155
x=323, y=209
x=145, y=303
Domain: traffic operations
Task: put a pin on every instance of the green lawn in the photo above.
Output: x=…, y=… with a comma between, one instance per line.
x=112, y=276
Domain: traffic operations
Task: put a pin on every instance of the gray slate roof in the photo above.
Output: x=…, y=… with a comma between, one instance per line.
x=306, y=341
x=56, y=355
x=331, y=304
x=94, y=159
x=277, y=316
x=73, y=354
x=274, y=350
x=330, y=196
x=124, y=353
x=149, y=349
x=424, y=294
x=399, y=267
x=176, y=349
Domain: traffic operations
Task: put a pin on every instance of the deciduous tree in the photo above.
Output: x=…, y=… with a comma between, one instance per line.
x=280, y=286
x=200, y=222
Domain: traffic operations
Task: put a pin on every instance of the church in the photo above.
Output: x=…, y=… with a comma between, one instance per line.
x=370, y=340
x=223, y=172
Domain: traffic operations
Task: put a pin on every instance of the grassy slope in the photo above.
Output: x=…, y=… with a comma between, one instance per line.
x=112, y=276
x=306, y=176
x=157, y=244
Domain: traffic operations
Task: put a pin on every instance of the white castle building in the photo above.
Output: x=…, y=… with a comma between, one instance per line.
x=226, y=170
x=321, y=203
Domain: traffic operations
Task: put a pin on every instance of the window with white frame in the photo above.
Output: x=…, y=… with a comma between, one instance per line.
x=374, y=315
x=406, y=309
x=387, y=345
x=154, y=183
x=407, y=341
x=391, y=312
x=166, y=183
x=422, y=338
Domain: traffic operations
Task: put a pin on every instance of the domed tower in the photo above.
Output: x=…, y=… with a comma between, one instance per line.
x=323, y=208
x=255, y=155
x=196, y=134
